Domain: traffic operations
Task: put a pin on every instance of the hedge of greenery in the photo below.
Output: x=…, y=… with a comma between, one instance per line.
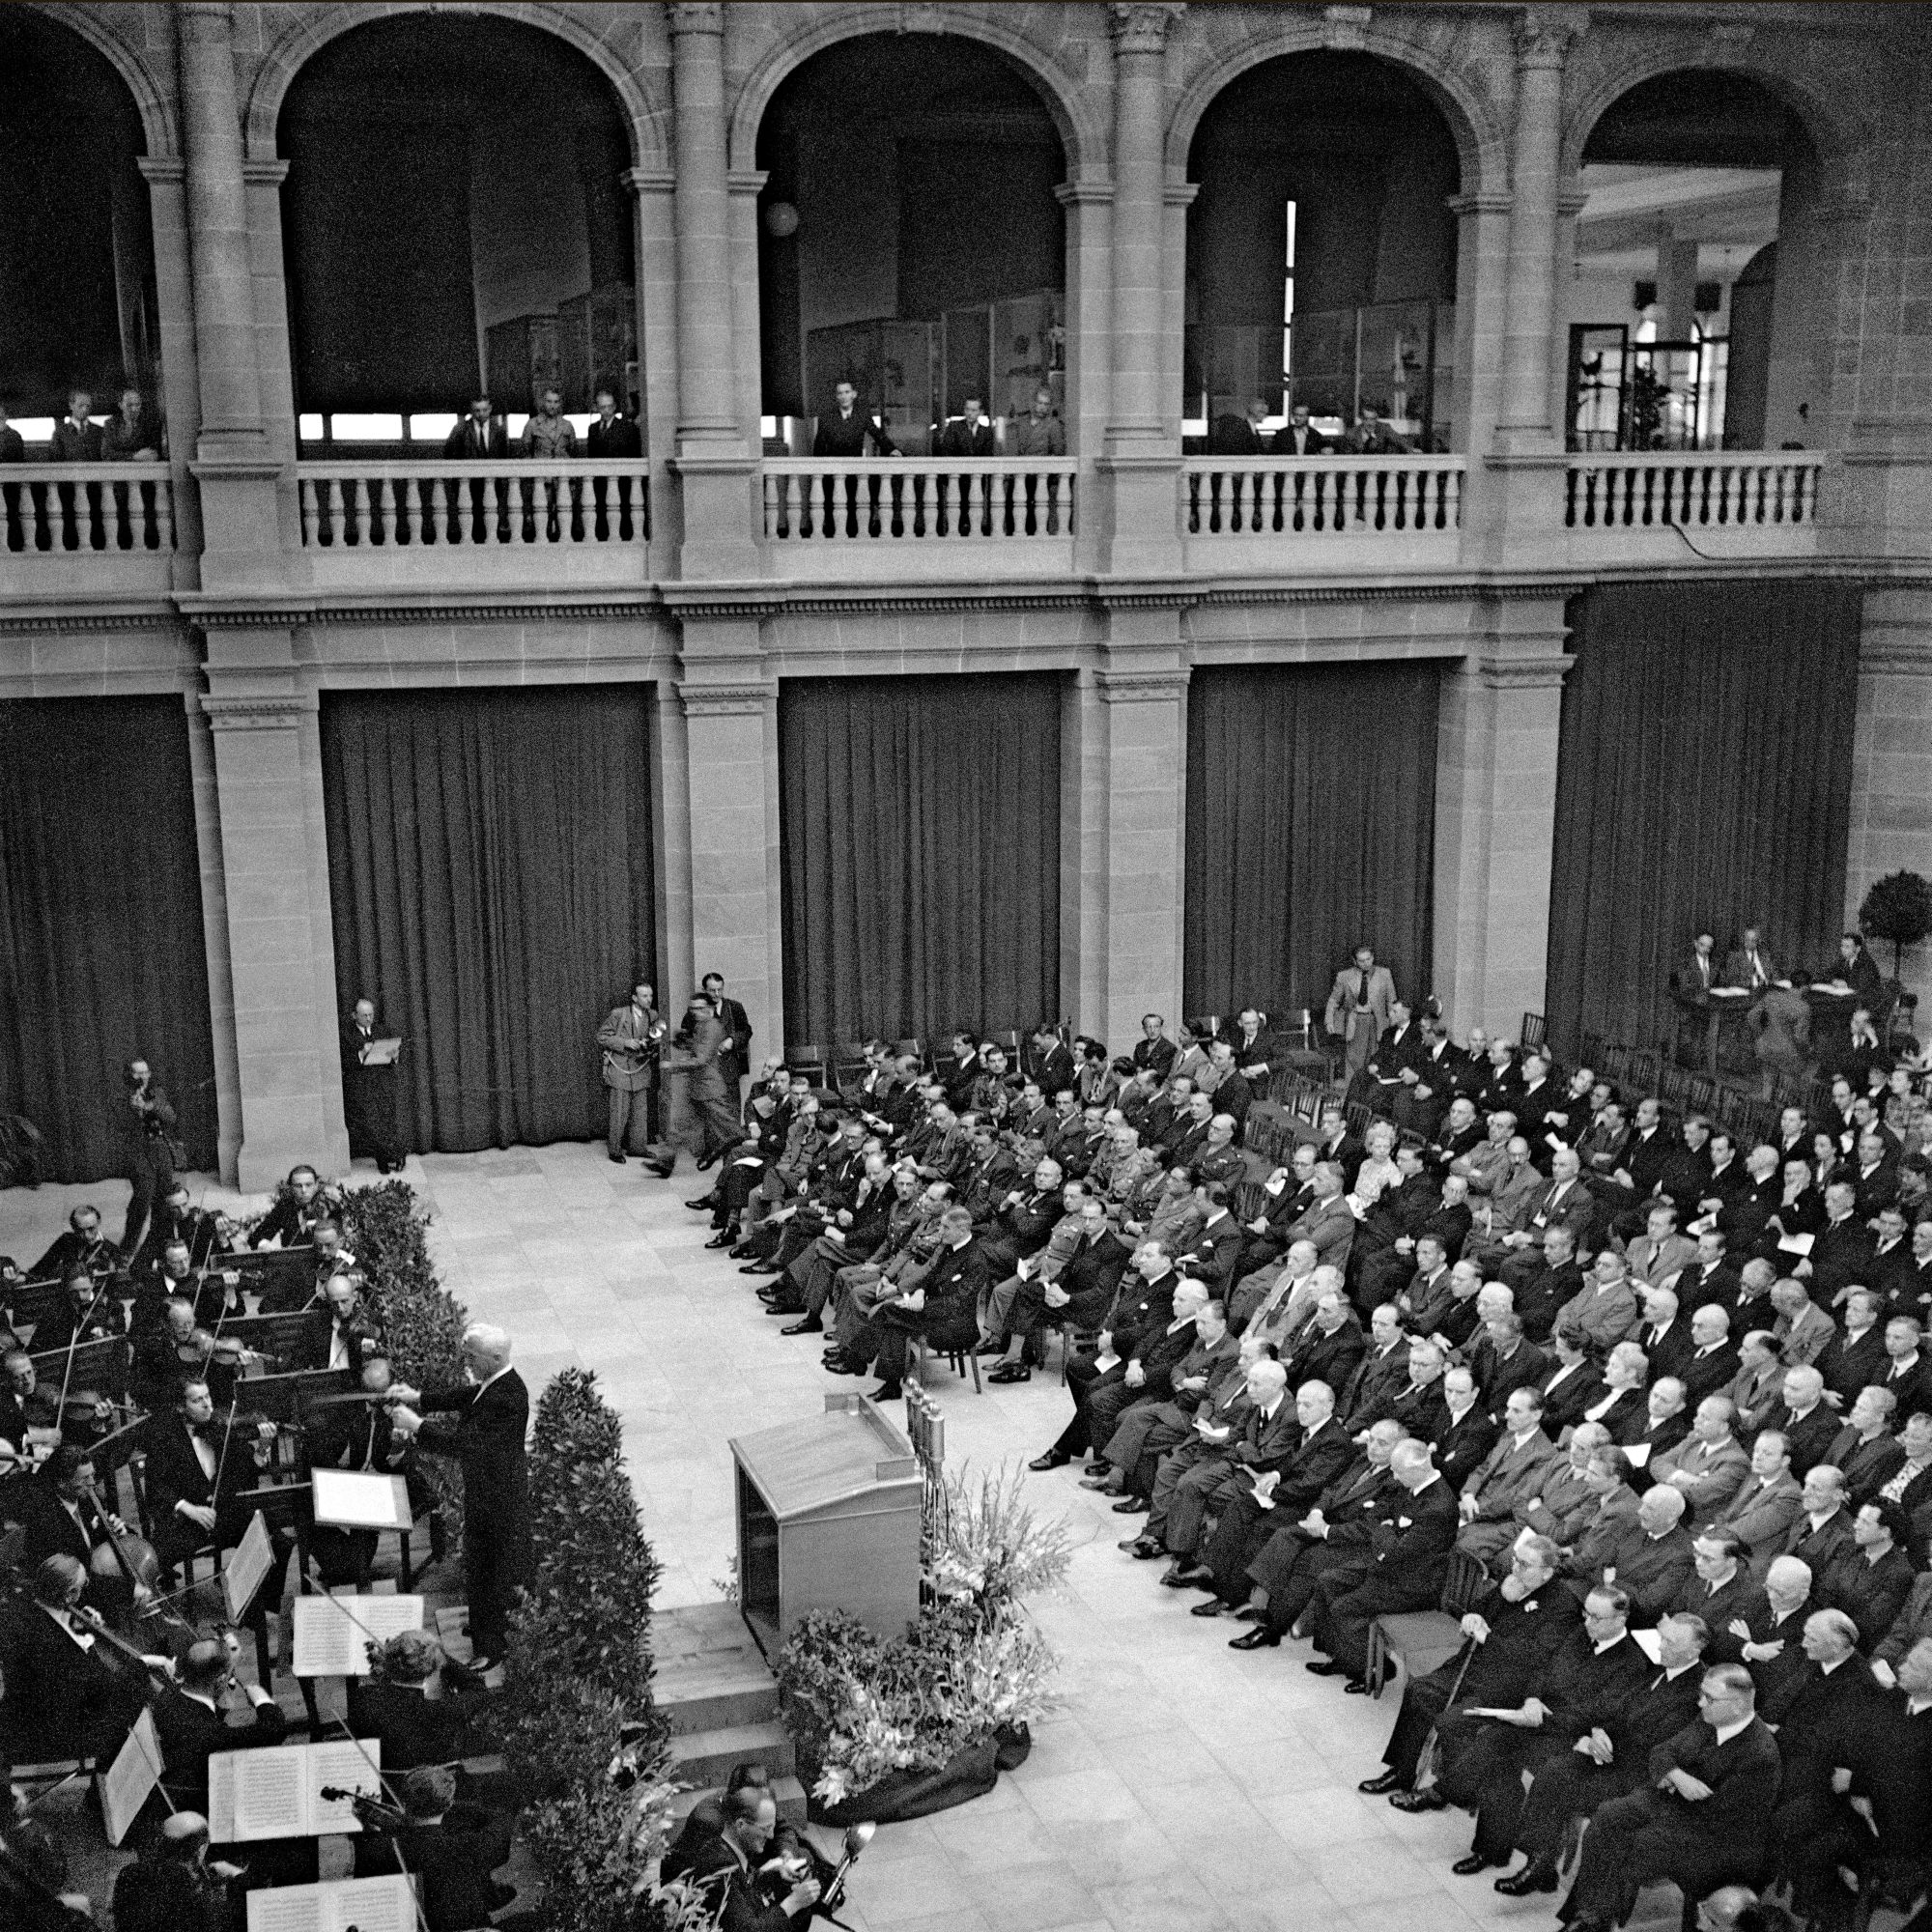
x=386, y=1228
x=579, y=1732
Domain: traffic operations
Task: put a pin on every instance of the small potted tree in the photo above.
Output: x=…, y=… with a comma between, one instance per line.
x=1898, y=910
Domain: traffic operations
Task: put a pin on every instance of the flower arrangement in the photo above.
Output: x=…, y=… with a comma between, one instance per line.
x=870, y=1717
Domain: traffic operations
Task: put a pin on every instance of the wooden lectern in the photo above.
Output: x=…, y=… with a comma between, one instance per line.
x=828, y=1519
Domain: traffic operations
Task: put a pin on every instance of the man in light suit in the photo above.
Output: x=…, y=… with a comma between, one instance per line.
x=629, y=1037
x=1358, y=1006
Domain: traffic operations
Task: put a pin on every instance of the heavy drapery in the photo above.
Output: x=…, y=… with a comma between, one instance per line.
x=491, y=887
x=102, y=953
x=1704, y=782
x=921, y=846
x=1311, y=830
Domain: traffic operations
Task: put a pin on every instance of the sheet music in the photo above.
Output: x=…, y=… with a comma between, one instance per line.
x=1797, y=1244
x=276, y=1792
x=360, y=1499
x=333, y=1635
x=1650, y=1643
x=337, y=1905
x=349, y=1764
x=134, y=1773
x=1638, y=1452
x=247, y=1567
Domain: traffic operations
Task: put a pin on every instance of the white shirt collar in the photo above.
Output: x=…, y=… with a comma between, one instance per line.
x=1727, y=1732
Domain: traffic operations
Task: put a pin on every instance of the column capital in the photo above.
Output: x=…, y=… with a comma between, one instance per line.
x=1543, y=33
x=1539, y=670
x=1485, y=200
x=746, y=180
x=281, y=712
x=649, y=181
x=723, y=700
x=271, y=172
x=1085, y=194
x=161, y=170
x=1181, y=193
x=696, y=17
x=1140, y=26
x=1140, y=687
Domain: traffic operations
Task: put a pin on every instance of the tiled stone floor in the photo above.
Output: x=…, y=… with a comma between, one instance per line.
x=1181, y=1788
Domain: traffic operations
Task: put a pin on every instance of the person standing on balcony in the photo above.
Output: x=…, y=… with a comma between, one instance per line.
x=77, y=439
x=131, y=433
x=1297, y=437
x=844, y=434
x=77, y=436
x=967, y=435
x=549, y=436
x=613, y=438
x=479, y=437
x=1241, y=436
x=12, y=450
x=1040, y=432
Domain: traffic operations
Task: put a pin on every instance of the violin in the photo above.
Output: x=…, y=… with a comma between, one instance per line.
x=161, y=1670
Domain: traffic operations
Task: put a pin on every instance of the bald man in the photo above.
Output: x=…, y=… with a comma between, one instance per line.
x=493, y=1412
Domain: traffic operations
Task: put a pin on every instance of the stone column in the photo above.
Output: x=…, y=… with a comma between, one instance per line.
x=1086, y=400
x=215, y=938
x=1515, y=502
x=714, y=465
x=275, y=874
x=655, y=231
x=1535, y=179
x=233, y=462
x=1482, y=308
x=1124, y=802
x=274, y=353
x=1495, y=817
x=731, y=720
x=1141, y=460
x=1891, y=761
x=181, y=377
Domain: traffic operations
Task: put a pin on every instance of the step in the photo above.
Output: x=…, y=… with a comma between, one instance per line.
x=710, y=1672
x=787, y=1790
x=707, y=1757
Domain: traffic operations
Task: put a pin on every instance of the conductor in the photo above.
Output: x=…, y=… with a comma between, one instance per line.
x=493, y=1412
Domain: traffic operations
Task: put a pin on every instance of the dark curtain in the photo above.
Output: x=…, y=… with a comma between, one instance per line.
x=920, y=848
x=490, y=871
x=1311, y=830
x=103, y=955
x=1704, y=782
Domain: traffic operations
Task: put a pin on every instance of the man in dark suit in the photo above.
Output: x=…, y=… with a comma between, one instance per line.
x=1411, y=1551
x=81, y=1246
x=188, y=1451
x=1508, y=1641
x=1610, y=1758
x=735, y=1059
x=943, y=1310
x=1700, y=1819
x=448, y=1847
x=1699, y=975
x=190, y=1727
x=368, y=1090
x=726, y=1868
x=613, y=438
x=1281, y=1491
x=63, y=1695
x=492, y=1410
x=968, y=435
x=1296, y=437
x=481, y=437
x=1588, y=1684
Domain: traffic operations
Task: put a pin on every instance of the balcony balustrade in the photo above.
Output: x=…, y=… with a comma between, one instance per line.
x=1321, y=512
x=70, y=528
x=1662, y=506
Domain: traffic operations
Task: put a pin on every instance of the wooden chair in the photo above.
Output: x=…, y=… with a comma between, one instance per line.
x=1643, y=1070
x=959, y=1358
x=1535, y=1029
x=1420, y=1640
x=808, y=1058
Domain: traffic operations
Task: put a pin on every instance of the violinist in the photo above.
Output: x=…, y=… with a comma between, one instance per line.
x=67, y=1691
x=450, y=1846
x=178, y=1219
x=192, y=1726
x=412, y=1728
x=16, y=1390
x=158, y=1368
x=81, y=1246
x=86, y=1313
x=291, y=1294
x=174, y=1884
x=299, y=1207
x=210, y=1291
x=196, y=1468
x=342, y=1333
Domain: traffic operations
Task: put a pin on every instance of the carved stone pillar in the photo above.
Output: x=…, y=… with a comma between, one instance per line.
x=1495, y=817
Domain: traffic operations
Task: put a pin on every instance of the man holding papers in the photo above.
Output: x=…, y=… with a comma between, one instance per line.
x=493, y=1412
